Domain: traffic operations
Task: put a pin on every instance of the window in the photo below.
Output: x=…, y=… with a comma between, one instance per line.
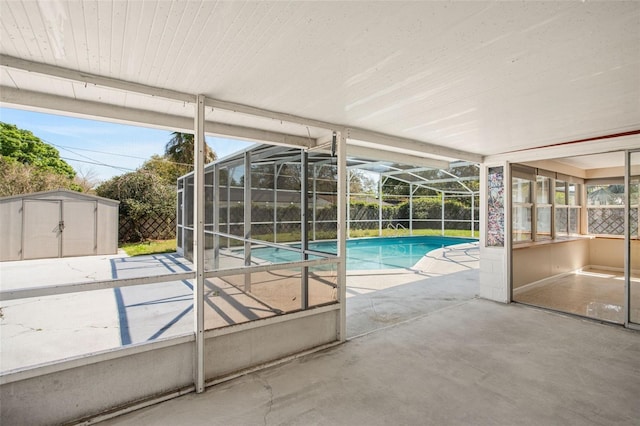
x=544, y=204
x=543, y=208
x=567, y=212
x=522, y=207
x=605, y=207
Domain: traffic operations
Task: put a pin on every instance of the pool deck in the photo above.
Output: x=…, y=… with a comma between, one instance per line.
x=46, y=329
x=422, y=349
x=474, y=362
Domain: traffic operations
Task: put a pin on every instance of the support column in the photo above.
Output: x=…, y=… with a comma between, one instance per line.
x=495, y=230
x=229, y=172
x=343, y=204
x=473, y=215
x=314, y=205
x=304, y=231
x=247, y=219
x=275, y=202
x=379, y=206
x=216, y=216
x=442, y=216
x=410, y=209
x=198, y=243
x=348, y=192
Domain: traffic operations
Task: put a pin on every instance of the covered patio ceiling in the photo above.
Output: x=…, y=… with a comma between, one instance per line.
x=437, y=80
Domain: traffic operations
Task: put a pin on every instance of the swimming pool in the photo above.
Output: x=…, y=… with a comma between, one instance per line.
x=370, y=253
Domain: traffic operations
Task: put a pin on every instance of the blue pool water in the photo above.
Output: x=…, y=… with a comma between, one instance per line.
x=370, y=253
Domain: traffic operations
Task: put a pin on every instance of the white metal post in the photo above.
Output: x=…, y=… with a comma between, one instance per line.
x=198, y=243
x=314, y=203
x=275, y=202
x=442, y=214
x=348, y=197
x=627, y=239
x=343, y=205
x=473, y=215
x=304, y=231
x=216, y=216
x=229, y=173
x=247, y=219
x=379, y=205
x=410, y=209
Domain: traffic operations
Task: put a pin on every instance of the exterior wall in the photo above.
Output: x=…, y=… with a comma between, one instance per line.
x=107, y=223
x=96, y=384
x=11, y=229
x=72, y=394
x=494, y=264
x=527, y=265
x=494, y=281
x=255, y=346
x=536, y=262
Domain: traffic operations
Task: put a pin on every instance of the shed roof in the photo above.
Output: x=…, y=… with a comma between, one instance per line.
x=61, y=194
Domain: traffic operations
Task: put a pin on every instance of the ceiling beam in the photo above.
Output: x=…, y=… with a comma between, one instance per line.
x=84, y=77
x=273, y=115
x=395, y=157
x=96, y=110
x=631, y=141
x=358, y=134
x=410, y=145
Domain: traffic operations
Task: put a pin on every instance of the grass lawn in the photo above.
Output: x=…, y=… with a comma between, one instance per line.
x=359, y=233
x=149, y=247
x=169, y=246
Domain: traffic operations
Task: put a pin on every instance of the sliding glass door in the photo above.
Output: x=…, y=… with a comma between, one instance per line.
x=632, y=255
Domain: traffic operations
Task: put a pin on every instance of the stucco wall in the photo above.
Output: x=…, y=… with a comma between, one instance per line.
x=536, y=262
x=609, y=252
x=96, y=384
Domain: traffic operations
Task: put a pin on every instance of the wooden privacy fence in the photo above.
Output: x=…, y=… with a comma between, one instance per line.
x=152, y=227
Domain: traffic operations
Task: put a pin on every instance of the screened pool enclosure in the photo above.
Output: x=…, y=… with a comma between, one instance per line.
x=257, y=198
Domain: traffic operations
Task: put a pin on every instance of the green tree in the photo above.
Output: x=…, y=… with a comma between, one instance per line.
x=26, y=148
x=17, y=178
x=144, y=197
x=168, y=171
x=180, y=147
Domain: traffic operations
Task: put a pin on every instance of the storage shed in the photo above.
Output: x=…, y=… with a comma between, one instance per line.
x=58, y=223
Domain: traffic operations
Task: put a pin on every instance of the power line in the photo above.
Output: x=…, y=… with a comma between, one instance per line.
x=91, y=159
x=66, y=148
x=98, y=152
x=98, y=164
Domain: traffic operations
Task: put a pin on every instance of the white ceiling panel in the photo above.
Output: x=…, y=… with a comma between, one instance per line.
x=39, y=83
x=484, y=77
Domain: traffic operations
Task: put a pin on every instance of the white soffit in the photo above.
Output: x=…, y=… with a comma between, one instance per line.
x=482, y=77
x=595, y=161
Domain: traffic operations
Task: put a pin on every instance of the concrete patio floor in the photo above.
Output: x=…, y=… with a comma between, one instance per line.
x=47, y=329
x=422, y=349
x=474, y=362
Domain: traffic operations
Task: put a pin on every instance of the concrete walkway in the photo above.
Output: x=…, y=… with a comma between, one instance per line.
x=472, y=363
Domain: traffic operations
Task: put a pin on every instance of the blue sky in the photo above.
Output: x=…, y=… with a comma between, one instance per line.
x=102, y=148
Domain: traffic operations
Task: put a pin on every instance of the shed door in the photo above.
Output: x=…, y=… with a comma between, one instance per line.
x=79, y=233
x=41, y=232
